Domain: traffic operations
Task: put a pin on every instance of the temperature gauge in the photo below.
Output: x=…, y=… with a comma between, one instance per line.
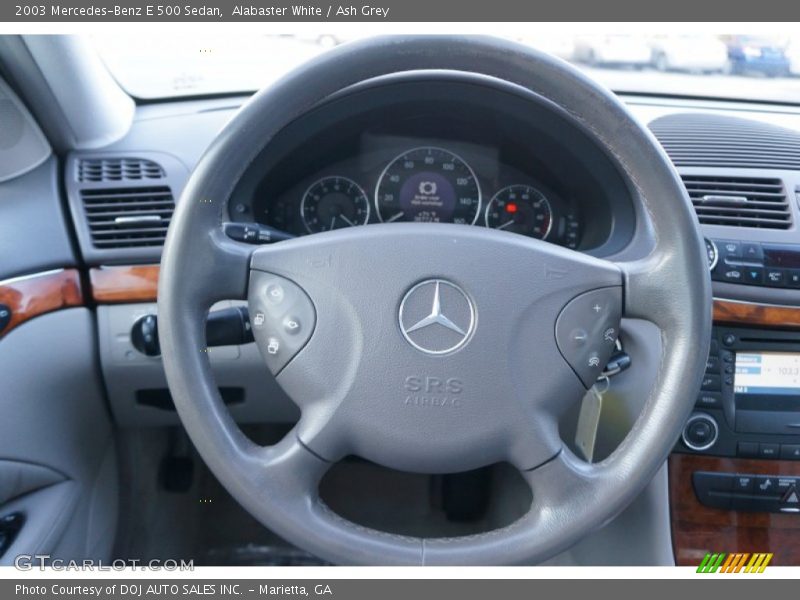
x=521, y=209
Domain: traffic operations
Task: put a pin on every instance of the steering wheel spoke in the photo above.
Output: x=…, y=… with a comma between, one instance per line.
x=228, y=268
x=556, y=486
x=218, y=271
x=563, y=476
x=286, y=476
x=288, y=468
x=644, y=288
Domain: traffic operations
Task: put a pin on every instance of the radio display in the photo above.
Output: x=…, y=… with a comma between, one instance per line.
x=767, y=373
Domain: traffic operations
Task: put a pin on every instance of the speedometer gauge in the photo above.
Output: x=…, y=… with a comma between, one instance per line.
x=333, y=203
x=428, y=185
x=521, y=209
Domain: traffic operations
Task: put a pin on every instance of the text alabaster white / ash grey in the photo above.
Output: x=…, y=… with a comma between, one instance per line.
x=302, y=10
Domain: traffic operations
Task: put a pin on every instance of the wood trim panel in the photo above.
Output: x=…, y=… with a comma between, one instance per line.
x=697, y=529
x=35, y=295
x=139, y=283
x=748, y=313
x=120, y=284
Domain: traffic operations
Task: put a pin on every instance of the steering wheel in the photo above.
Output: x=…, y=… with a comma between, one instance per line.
x=405, y=345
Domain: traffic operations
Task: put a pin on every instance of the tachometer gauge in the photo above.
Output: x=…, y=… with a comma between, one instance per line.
x=332, y=203
x=521, y=209
x=428, y=184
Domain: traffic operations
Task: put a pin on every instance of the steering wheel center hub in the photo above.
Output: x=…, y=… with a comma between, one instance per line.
x=430, y=359
x=437, y=316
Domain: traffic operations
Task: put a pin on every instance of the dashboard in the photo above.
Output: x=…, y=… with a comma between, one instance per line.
x=473, y=157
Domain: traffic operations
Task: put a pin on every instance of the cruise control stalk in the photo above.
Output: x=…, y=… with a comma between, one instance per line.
x=255, y=233
x=225, y=327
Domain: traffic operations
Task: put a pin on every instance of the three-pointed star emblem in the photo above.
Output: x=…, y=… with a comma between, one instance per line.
x=436, y=316
x=444, y=304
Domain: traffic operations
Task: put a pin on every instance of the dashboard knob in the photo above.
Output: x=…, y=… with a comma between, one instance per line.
x=700, y=432
x=713, y=254
x=144, y=335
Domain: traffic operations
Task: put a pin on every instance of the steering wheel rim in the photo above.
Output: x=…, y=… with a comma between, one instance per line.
x=670, y=286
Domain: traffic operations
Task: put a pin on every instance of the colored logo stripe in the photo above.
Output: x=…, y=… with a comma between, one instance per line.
x=711, y=563
x=758, y=563
x=735, y=562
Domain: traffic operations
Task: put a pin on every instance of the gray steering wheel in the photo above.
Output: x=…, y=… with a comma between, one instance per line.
x=403, y=343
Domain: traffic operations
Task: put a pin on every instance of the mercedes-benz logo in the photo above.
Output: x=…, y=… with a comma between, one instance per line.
x=436, y=316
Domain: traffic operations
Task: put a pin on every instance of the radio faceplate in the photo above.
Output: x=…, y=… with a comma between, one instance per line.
x=750, y=396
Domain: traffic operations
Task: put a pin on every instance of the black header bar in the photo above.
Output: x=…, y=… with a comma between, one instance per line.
x=397, y=11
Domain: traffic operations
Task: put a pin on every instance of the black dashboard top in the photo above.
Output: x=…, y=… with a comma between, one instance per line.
x=438, y=151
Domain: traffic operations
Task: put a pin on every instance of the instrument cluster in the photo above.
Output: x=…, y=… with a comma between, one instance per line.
x=396, y=180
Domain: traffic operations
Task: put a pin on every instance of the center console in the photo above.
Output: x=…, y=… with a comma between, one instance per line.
x=748, y=407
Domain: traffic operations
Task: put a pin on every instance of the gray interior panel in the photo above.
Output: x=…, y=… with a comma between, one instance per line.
x=184, y=129
x=55, y=416
x=20, y=478
x=47, y=514
x=34, y=230
x=94, y=112
x=22, y=144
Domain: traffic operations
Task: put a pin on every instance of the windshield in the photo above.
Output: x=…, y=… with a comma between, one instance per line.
x=744, y=67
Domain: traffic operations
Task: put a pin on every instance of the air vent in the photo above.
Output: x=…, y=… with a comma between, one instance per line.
x=739, y=201
x=695, y=140
x=118, y=169
x=132, y=217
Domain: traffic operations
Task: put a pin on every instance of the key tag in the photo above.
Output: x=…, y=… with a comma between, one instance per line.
x=589, y=418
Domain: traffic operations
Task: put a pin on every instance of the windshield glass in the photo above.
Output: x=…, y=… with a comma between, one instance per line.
x=746, y=67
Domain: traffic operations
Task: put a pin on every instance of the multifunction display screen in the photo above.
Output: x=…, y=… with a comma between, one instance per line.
x=767, y=373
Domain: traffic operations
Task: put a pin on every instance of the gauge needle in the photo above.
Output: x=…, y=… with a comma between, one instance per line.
x=395, y=217
x=333, y=222
x=504, y=225
x=346, y=220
